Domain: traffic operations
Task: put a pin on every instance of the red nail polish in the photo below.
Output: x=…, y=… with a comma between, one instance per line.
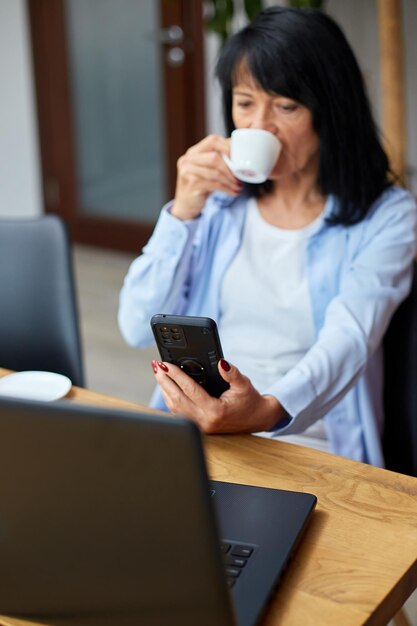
x=163, y=366
x=225, y=365
x=155, y=369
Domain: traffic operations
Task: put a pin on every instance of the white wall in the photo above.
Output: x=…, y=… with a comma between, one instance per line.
x=20, y=194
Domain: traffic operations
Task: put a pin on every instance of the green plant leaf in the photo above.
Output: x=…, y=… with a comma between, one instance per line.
x=302, y=4
x=252, y=8
x=222, y=17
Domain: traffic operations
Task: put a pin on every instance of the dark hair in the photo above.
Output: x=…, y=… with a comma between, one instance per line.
x=303, y=54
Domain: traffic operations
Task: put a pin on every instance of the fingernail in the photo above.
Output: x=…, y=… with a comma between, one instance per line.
x=163, y=366
x=225, y=365
x=155, y=369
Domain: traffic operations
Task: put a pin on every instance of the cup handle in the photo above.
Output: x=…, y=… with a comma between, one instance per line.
x=228, y=162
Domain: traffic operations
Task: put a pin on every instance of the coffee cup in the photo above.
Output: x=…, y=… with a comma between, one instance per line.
x=253, y=154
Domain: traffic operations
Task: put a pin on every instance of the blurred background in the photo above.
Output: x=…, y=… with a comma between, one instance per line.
x=100, y=98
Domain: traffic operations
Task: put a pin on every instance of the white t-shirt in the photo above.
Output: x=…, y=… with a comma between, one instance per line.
x=266, y=322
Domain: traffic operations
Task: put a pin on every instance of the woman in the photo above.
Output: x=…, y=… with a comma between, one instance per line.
x=301, y=273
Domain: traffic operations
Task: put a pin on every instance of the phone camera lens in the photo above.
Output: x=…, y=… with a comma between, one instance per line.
x=176, y=336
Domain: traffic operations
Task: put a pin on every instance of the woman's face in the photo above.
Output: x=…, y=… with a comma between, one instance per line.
x=289, y=120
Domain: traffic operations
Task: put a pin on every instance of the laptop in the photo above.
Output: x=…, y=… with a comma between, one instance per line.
x=108, y=517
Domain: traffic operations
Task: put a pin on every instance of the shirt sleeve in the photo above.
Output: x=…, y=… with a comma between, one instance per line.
x=377, y=280
x=156, y=281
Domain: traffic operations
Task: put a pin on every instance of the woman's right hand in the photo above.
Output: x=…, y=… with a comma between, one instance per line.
x=200, y=171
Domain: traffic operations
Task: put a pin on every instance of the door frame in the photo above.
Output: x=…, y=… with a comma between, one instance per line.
x=184, y=117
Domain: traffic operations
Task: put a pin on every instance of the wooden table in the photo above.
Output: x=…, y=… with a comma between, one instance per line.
x=357, y=563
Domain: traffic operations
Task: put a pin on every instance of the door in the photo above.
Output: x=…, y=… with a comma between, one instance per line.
x=120, y=95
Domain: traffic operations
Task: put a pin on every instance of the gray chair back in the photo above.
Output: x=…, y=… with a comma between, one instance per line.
x=39, y=327
x=400, y=387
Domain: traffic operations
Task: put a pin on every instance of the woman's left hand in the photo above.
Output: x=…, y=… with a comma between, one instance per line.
x=239, y=409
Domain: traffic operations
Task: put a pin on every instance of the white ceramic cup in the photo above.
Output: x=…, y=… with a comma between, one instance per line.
x=253, y=154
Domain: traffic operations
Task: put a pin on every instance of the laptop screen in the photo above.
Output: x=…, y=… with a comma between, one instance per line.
x=109, y=515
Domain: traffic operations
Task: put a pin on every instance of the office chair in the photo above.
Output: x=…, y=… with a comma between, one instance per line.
x=38, y=311
x=399, y=441
x=400, y=387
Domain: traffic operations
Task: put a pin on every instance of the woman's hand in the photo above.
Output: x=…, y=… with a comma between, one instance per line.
x=200, y=171
x=239, y=409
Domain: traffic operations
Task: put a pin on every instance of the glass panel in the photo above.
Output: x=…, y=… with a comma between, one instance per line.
x=115, y=74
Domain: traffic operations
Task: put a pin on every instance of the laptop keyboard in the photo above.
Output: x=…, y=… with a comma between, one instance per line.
x=236, y=557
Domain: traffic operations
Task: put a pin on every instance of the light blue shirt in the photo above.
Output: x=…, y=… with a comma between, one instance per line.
x=357, y=277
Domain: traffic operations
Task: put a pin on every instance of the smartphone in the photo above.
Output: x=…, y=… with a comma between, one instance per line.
x=193, y=344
